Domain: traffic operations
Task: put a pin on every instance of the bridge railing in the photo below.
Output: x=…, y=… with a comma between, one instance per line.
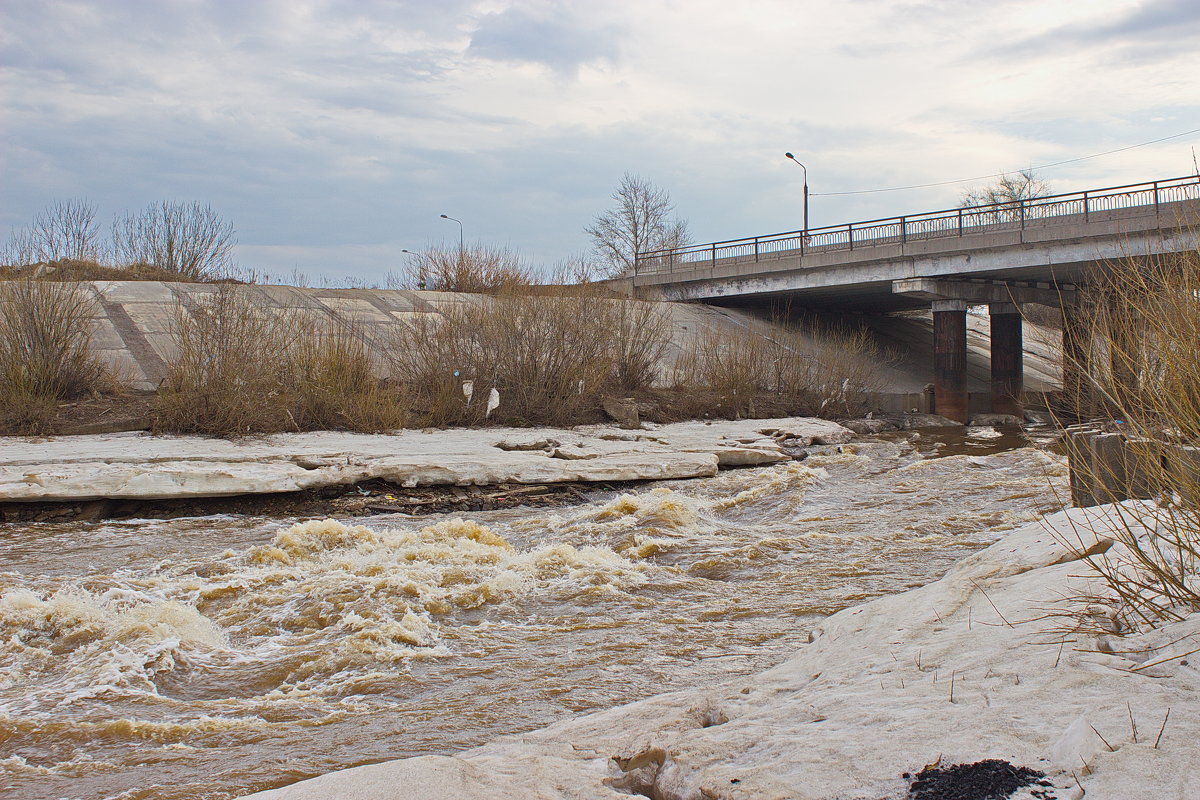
x=954, y=222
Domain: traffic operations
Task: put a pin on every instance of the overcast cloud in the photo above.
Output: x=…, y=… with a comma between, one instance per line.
x=333, y=134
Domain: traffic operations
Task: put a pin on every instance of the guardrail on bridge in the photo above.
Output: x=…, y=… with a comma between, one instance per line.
x=930, y=225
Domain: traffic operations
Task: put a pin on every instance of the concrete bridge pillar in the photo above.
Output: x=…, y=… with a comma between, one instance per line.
x=950, y=359
x=1007, y=363
x=1077, y=362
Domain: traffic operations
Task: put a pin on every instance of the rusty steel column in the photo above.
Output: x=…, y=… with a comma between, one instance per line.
x=1008, y=369
x=950, y=359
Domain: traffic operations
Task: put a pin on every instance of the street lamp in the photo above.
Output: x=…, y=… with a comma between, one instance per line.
x=422, y=279
x=460, y=230
x=793, y=158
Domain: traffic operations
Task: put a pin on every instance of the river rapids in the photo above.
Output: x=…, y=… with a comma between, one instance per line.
x=211, y=657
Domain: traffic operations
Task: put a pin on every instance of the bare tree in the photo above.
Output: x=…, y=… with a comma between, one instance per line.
x=64, y=230
x=188, y=239
x=1007, y=191
x=18, y=250
x=641, y=222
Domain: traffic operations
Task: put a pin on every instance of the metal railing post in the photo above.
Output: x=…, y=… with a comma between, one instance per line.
x=1156, y=198
x=850, y=234
x=1086, y=211
x=756, y=249
x=714, y=255
x=903, y=231
x=1021, y=205
x=960, y=223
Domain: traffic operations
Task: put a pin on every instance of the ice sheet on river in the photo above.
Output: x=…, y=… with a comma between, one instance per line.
x=135, y=465
x=967, y=668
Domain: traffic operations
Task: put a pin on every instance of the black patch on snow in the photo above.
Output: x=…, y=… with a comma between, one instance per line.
x=991, y=779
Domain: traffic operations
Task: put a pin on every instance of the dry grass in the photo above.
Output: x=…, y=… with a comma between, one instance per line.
x=1140, y=371
x=228, y=377
x=641, y=334
x=805, y=369
x=245, y=369
x=45, y=333
x=551, y=357
x=473, y=269
x=67, y=270
x=334, y=386
x=727, y=371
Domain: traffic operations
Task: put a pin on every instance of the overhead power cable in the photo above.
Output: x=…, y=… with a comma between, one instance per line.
x=1009, y=172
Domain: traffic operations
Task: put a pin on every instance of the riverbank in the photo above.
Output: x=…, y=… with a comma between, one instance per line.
x=125, y=466
x=374, y=496
x=974, y=666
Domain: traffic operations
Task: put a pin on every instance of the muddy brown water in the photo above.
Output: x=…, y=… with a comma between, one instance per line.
x=211, y=657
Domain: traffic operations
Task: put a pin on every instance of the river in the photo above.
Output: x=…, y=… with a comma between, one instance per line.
x=215, y=656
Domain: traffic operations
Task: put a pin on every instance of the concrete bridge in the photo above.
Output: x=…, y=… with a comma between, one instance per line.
x=1004, y=255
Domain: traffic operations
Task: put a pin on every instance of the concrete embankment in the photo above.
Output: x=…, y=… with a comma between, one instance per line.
x=975, y=667
x=135, y=319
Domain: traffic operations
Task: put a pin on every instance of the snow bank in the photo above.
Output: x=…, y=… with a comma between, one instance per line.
x=973, y=666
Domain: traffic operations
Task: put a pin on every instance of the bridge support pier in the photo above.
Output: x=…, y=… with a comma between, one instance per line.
x=1007, y=363
x=1077, y=357
x=950, y=359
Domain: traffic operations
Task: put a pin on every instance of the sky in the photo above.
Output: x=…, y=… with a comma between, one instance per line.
x=334, y=134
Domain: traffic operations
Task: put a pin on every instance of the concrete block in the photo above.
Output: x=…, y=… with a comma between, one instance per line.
x=136, y=291
x=153, y=318
x=164, y=346
x=105, y=335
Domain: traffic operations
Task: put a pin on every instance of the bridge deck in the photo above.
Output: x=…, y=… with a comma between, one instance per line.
x=1053, y=239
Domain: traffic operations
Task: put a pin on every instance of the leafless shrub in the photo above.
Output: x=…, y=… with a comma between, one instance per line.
x=334, y=386
x=473, y=268
x=577, y=269
x=642, y=335
x=229, y=377
x=18, y=250
x=728, y=369
x=186, y=239
x=777, y=368
x=550, y=356
x=45, y=333
x=244, y=369
x=64, y=230
x=844, y=370
x=1137, y=365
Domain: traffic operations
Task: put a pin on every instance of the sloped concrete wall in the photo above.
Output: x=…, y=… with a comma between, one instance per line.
x=135, y=320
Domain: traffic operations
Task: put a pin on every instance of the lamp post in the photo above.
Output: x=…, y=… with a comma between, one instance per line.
x=793, y=158
x=460, y=230
x=461, y=255
x=422, y=280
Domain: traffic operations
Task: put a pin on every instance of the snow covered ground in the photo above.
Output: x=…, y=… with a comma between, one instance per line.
x=973, y=666
x=137, y=465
